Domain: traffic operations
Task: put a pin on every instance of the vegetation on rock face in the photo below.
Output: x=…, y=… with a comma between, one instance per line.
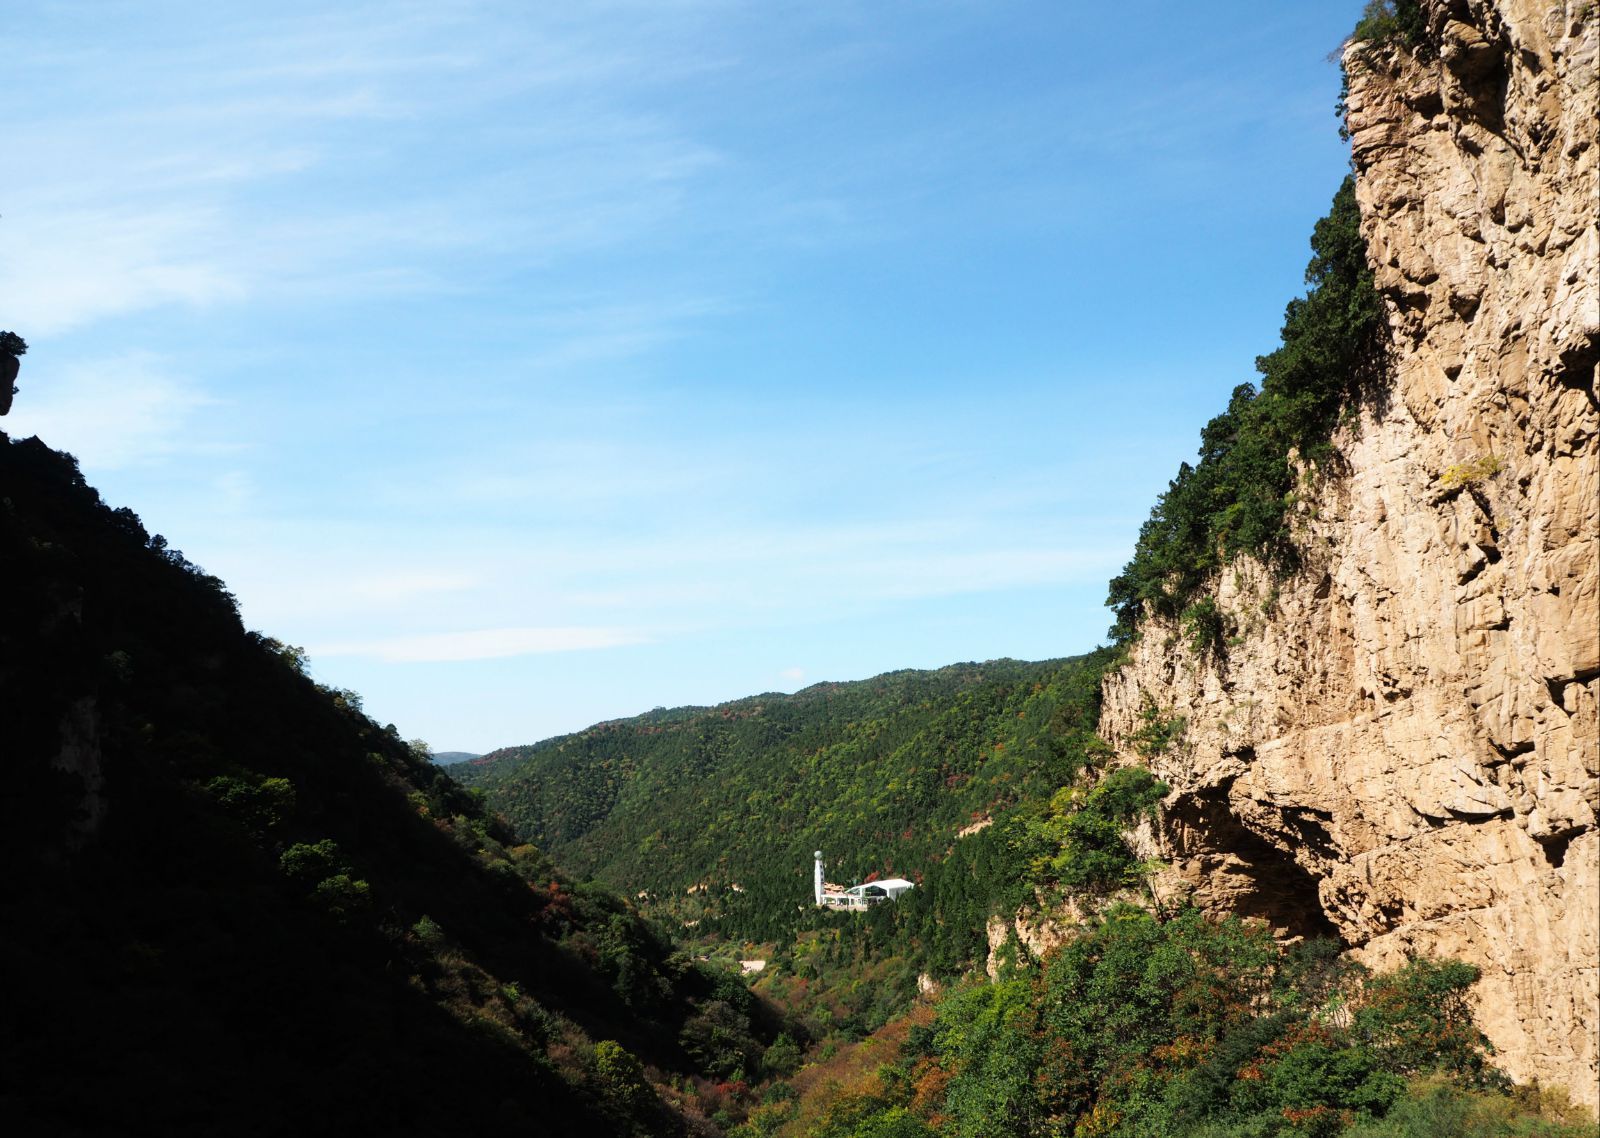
x=1392, y=21
x=1384, y=25
x=12, y=348
x=1185, y=1028
x=234, y=902
x=1238, y=497
x=1082, y=834
x=1471, y=473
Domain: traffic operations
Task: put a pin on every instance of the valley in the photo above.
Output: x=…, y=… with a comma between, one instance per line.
x=1309, y=847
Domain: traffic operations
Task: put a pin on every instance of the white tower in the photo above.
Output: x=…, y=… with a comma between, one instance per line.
x=819, y=877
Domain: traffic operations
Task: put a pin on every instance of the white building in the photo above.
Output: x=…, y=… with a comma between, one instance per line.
x=858, y=897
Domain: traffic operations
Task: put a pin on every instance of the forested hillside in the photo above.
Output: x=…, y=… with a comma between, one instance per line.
x=713, y=813
x=236, y=905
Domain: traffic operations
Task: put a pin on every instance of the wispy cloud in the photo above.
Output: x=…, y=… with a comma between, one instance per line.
x=373, y=588
x=65, y=268
x=483, y=644
x=112, y=412
x=410, y=585
x=223, y=171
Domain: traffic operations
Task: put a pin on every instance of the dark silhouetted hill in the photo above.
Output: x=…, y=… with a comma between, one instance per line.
x=234, y=904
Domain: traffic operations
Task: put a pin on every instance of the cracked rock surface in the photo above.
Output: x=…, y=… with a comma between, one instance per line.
x=1401, y=748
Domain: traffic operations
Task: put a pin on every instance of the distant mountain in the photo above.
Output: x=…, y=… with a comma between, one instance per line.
x=884, y=775
x=234, y=903
x=445, y=758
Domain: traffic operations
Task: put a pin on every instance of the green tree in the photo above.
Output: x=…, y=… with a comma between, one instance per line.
x=1417, y=1020
x=986, y=1033
x=1080, y=841
x=622, y=1075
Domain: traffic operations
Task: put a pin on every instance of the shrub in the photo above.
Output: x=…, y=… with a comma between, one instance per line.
x=1193, y=1028
x=1392, y=22
x=1204, y=627
x=1471, y=473
x=1418, y=1020
x=1435, y=1108
x=1082, y=835
x=1157, y=732
x=718, y=1038
x=342, y=896
x=261, y=806
x=621, y=1074
x=308, y=862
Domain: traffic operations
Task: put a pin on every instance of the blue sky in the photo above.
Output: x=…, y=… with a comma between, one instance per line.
x=535, y=364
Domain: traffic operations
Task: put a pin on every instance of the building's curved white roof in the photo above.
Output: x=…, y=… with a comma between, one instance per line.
x=890, y=885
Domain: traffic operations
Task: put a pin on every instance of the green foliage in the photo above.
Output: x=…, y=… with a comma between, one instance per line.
x=427, y=930
x=896, y=1122
x=1419, y=1021
x=326, y=878
x=684, y=805
x=1235, y=499
x=1317, y=1080
x=342, y=897
x=621, y=1074
x=1079, y=843
x=1157, y=732
x=1402, y=22
x=1436, y=1108
x=309, y=862
x=262, y=805
x=782, y=1058
x=1191, y=1028
x=985, y=1030
x=719, y=1040
x=12, y=344
x=296, y=658
x=1204, y=626
x=871, y=1118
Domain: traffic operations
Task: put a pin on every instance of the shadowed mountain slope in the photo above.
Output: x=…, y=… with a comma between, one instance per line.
x=233, y=903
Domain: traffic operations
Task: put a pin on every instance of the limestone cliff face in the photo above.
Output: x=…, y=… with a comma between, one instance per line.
x=1400, y=747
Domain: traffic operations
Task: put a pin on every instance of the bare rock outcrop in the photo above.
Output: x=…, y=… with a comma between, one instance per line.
x=1401, y=746
x=1027, y=936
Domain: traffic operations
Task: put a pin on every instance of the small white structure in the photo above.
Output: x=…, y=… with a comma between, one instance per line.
x=858, y=897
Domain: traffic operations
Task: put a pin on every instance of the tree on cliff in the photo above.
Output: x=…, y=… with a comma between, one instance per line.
x=11, y=347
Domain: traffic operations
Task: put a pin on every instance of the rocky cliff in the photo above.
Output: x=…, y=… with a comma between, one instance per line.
x=1399, y=746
